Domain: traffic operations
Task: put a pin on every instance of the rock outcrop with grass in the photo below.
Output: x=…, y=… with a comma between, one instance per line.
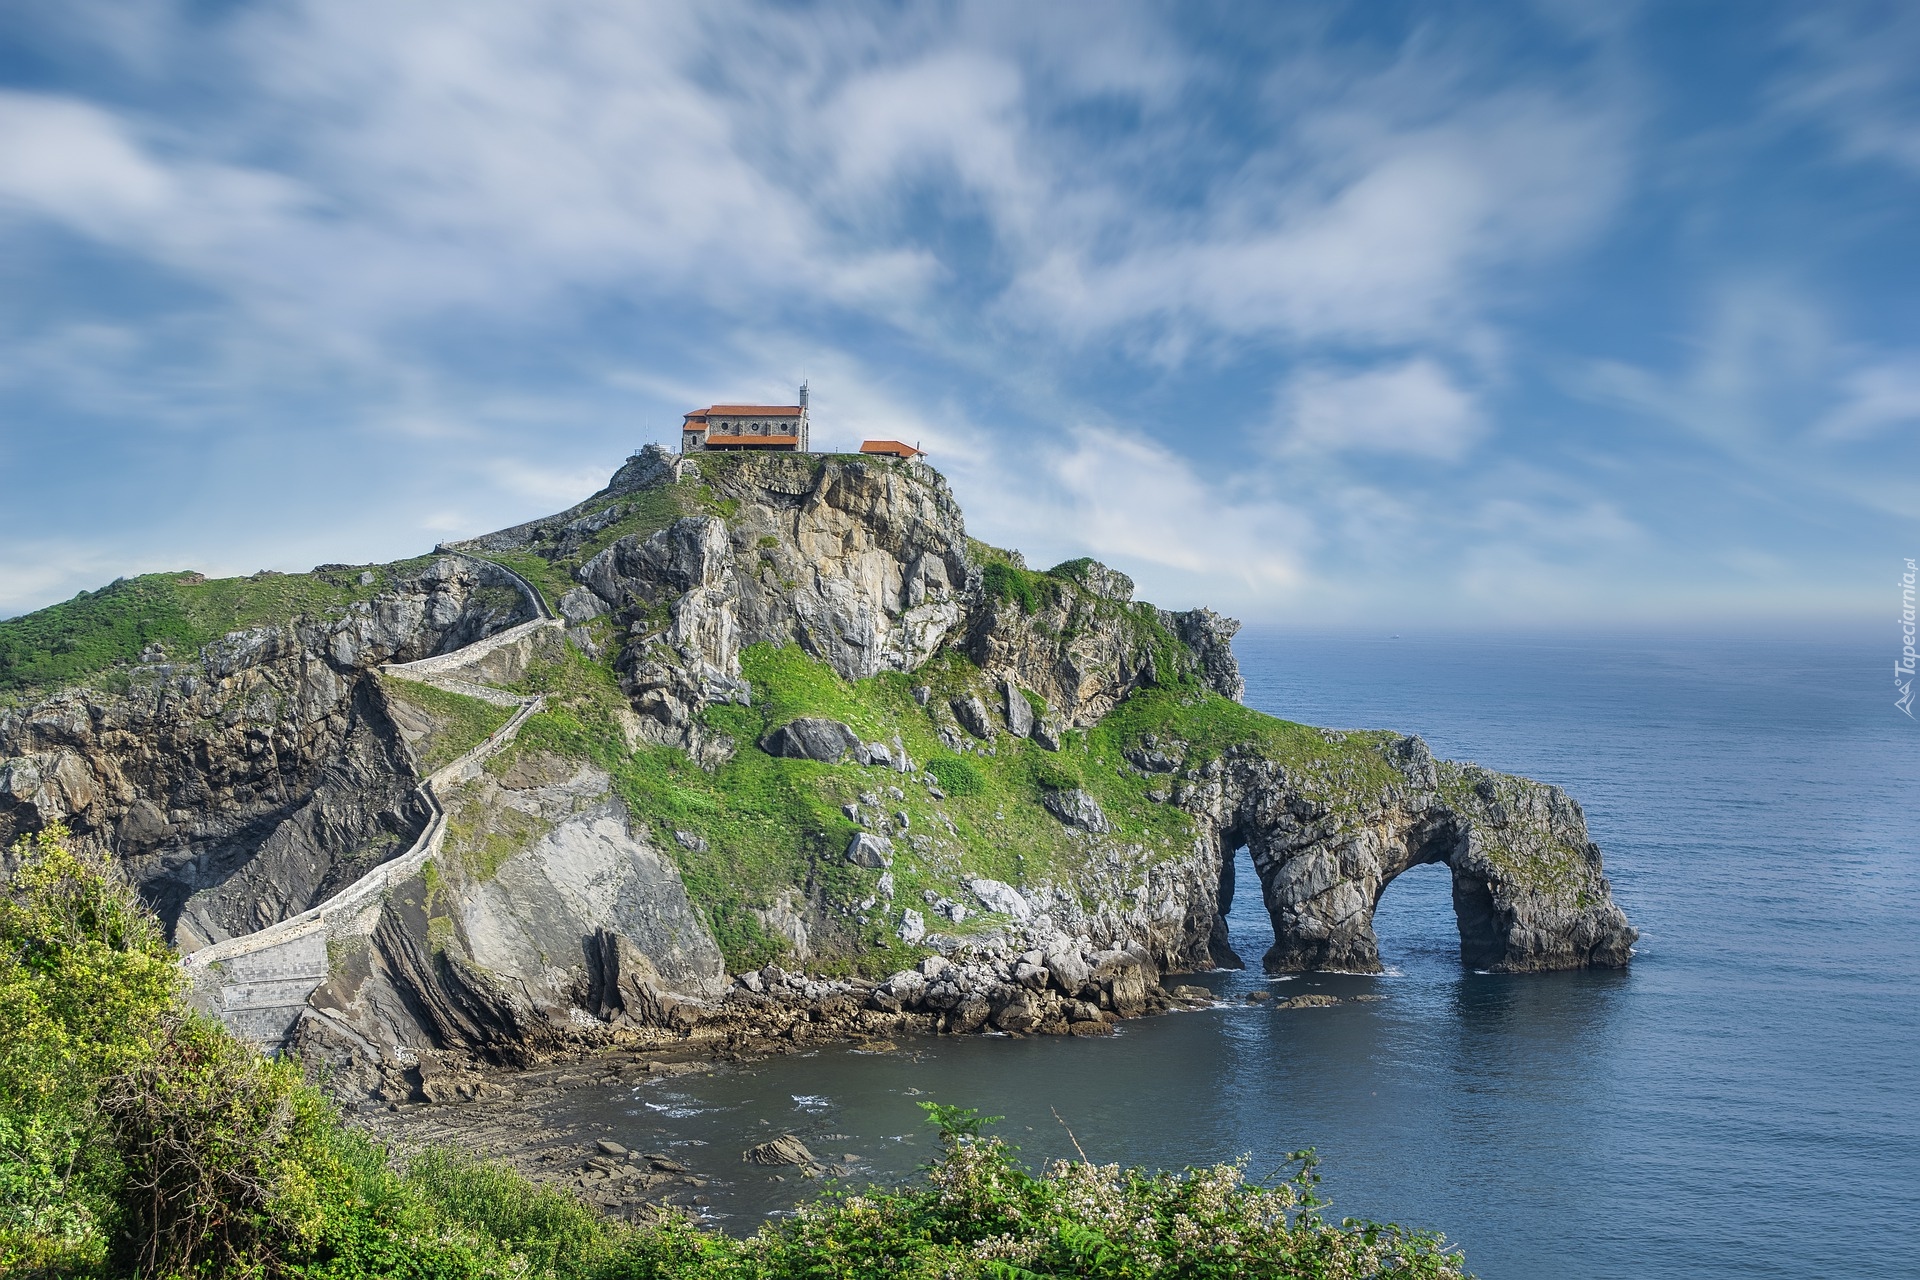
x=806, y=760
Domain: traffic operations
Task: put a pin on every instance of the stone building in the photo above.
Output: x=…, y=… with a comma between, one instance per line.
x=770, y=428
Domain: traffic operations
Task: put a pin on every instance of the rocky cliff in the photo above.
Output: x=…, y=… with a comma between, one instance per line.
x=252, y=776
x=789, y=724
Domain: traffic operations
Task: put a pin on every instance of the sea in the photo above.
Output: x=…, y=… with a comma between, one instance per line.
x=1741, y=1101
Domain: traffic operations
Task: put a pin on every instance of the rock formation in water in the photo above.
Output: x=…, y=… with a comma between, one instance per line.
x=759, y=716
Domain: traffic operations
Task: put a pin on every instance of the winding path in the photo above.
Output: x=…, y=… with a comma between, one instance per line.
x=259, y=983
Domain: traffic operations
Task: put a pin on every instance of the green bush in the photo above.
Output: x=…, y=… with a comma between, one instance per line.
x=956, y=777
x=1004, y=581
x=87, y=985
x=1050, y=773
x=980, y=1214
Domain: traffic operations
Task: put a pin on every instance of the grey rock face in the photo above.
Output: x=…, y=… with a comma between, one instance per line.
x=1149, y=758
x=972, y=715
x=808, y=738
x=1084, y=654
x=865, y=567
x=1069, y=968
x=580, y=605
x=1076, y=808
x=586, y=914
x=1210, y=637
x=782, y=1150
x=1018, y=711
x=869, y=850
x=861, y=565
x=996, y=896
x=913, y=926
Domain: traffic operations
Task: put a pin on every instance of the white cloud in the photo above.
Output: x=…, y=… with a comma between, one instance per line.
x=1140, y=502
x=1186, y=538
x=1759, y=349
x=74, y=163
x=670, y=204
x=399, y=164
x=1771, y=389
x=1855, y=74
x=1412, y=407
x=71, y=161
x=1874, y=398
x=1360, y=230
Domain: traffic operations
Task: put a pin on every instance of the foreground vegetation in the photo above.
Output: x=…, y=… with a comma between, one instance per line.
x=139, y=1139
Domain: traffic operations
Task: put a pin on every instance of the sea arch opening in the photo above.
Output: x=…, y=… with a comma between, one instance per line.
x=1321, y=896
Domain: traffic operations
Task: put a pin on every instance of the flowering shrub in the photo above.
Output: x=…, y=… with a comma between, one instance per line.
x=980, y=1214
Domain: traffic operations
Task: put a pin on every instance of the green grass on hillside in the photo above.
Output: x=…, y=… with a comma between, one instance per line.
x=98, y=630
x=1208, y=725
x=460, y=722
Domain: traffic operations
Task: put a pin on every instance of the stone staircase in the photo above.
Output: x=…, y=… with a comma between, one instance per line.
x=258, y=984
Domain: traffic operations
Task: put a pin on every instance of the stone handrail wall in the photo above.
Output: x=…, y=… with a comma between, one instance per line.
x=541, y=609
x=258, y=984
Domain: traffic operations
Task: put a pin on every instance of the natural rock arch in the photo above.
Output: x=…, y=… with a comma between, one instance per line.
x=1528, y=890
x=1322, y=898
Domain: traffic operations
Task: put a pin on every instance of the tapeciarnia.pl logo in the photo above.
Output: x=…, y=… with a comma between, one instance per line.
x=1903, y=666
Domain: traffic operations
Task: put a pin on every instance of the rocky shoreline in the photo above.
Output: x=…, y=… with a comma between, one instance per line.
x=1063, y=992
x=516, y=1115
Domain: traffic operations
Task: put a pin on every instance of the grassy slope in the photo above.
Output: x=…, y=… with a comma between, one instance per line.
x=97, y=631
x=460, y=723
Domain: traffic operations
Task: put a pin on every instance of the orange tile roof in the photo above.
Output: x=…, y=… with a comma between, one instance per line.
x=894, y=448
x=748, y=411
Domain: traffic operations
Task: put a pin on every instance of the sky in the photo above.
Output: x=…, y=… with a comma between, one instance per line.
x=1467, y=316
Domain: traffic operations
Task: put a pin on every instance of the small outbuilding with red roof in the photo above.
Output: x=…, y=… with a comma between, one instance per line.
x=891, y=449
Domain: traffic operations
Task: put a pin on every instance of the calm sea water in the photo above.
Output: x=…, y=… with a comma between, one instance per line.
x=1741, y=1102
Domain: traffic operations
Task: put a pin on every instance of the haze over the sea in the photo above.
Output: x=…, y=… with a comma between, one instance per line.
x=1534, y=314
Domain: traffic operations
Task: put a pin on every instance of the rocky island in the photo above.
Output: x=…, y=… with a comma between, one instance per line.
x=741, y=747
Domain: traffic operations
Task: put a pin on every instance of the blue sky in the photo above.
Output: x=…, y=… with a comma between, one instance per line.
x=1371, y=314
